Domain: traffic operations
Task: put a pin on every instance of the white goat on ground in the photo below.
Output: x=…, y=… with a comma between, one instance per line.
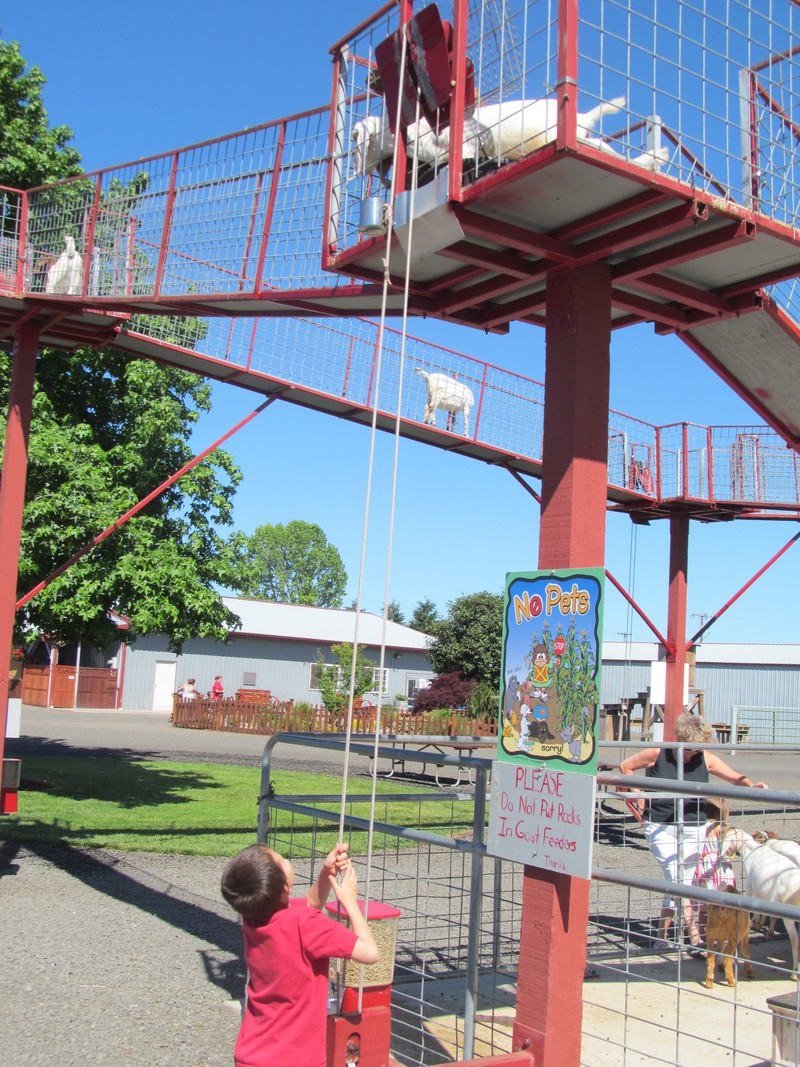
x=65, y=275
x=448, y=394
x=509, y=130
x=789, y=849
x=768, y=875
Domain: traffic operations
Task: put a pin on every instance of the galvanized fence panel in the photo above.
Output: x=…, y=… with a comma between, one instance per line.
x=454, y=990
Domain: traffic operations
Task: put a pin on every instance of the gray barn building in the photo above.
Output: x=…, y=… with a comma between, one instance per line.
x=745, y=684
x=277, y=649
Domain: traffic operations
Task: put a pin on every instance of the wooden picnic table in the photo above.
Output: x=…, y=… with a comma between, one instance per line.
x=723, y=732
x=458, y=744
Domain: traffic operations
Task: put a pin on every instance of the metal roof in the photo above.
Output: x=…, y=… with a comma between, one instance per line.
x=297, y=622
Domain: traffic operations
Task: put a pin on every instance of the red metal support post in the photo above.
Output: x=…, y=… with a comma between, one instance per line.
x=455, y=159
x=12, y=494
x=676, y=620
x=567, y=85
x=22, y=246
x=555, y=910
x=162, y=252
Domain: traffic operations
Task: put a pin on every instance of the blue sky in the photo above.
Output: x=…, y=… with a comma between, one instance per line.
x=132, y=82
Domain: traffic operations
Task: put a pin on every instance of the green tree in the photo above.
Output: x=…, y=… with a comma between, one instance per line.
x=470, y=638
x=334, y=681
x=424, y=617
x=31, y=153
x=395, y=613
x=106, y=430
x=292, y=564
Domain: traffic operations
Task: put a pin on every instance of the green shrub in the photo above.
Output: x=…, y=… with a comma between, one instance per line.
x=483, y=701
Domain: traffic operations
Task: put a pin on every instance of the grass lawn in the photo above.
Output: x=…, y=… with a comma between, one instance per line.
x=197, y=809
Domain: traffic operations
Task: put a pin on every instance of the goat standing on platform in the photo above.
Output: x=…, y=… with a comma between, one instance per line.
x=448, y=394
x=65, y=275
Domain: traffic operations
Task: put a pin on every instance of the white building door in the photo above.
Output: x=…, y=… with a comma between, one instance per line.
x=164, y=686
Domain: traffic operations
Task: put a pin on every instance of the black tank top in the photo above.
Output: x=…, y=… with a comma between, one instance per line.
x=665, y=810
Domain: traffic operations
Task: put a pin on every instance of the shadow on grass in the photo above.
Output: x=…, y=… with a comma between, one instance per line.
x=120, y=880
x=123, y=778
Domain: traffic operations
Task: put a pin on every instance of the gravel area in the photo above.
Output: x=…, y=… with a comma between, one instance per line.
x=116, y=958
x=134, y=958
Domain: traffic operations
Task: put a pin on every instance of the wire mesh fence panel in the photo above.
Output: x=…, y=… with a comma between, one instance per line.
x=646, y=1000
x=238, y=214
x=700, y=92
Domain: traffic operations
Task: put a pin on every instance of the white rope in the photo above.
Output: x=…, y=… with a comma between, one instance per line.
x=393, y=499
x=379, y=360
x=382, y=661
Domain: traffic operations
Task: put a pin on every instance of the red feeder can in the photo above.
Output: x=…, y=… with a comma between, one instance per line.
x=364, y=1037
x=9, y=785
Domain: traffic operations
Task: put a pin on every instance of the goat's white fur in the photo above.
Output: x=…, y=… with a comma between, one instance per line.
x=511, y=130
x=64, y=276
x=768, y=875
x=448, y=394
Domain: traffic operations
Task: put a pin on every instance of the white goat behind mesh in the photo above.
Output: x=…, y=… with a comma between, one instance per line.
x=64, y=276
x=448, y=394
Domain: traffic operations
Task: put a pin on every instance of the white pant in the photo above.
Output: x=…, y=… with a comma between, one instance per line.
x=663, y=841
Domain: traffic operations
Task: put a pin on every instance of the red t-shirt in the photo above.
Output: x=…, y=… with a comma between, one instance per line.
x=285, y=1019
x=216, y=690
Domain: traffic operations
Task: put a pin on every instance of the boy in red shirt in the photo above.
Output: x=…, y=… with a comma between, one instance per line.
x=288, y=945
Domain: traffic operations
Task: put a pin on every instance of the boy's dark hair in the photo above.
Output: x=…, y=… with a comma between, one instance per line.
x=253, y=884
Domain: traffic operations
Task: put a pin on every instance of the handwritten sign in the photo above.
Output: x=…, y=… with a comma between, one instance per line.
x=542, y=817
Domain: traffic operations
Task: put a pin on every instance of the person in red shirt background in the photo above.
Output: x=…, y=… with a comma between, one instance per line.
x=288, y=945
x=217, y=692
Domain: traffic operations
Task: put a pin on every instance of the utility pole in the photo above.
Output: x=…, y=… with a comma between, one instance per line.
x=702, y=616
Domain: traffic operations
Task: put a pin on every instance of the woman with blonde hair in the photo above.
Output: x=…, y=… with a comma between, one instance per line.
x=661, y=813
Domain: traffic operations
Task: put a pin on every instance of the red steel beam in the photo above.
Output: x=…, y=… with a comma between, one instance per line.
x=649, y=310
x=589, y=223
x=480, y=294
x=491, y=260
x=639, y=611
x=730, y=235
x=500, y=314
x=670, y=289
x=693, y=640
x=138, y=507
x=666, y=223
x=750, y=398
x=505, y=233
x=162, y=254
x=273, y=192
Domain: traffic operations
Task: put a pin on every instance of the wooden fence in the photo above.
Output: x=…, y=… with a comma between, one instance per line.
x=97, y=686
x=246, y=715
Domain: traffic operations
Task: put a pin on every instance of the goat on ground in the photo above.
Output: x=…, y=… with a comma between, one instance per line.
x=789, y=849
x=726, y=930
x=64, y=276
x=448, y=394
x=769, y=876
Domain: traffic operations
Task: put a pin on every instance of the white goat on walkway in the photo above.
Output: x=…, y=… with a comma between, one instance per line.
x=65, y=275
x=509, y=130
x=448, y=394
